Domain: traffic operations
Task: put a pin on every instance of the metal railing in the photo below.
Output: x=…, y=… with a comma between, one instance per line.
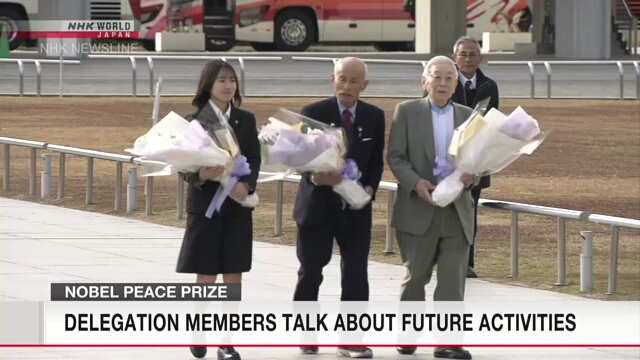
x=133, y=59
x=547, y=65
x=370, y=61
x=616, y=223
x=152, y=59
x=38, y=63
x=562, y=216
x=515, y=208
x=530, y=65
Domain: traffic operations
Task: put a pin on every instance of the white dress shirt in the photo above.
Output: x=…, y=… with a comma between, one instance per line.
x=443, y=126
x=227, y=114
x=463, y=80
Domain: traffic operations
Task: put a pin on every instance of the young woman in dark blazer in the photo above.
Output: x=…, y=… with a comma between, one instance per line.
x=222, y=244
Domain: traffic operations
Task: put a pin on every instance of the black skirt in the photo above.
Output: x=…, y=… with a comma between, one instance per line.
x=220, y=245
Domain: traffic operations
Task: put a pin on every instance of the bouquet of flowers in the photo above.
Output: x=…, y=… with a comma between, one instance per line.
x=485, y=145
x=294, y=142
x=185, y=146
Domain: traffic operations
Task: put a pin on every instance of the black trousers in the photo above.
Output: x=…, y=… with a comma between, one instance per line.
x=352, y=231
x=475, y=194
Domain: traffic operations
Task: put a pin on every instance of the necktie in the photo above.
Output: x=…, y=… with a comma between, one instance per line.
x=468, y=85
x=346, y=116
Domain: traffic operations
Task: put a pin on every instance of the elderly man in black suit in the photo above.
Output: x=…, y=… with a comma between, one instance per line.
x=319, y=212
x=473, y=86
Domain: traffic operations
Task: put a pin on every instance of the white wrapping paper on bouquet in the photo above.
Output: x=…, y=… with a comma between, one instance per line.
x=483, y=146
x=292, y=142
x=350, y=188
x=182, y=146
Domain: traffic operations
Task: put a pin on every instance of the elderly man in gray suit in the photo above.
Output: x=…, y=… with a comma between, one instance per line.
x=429, y=235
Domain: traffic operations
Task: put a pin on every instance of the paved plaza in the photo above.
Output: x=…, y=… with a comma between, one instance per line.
x=41, y=244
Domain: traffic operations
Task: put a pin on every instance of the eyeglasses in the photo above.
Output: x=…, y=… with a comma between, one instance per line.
x=471, y=55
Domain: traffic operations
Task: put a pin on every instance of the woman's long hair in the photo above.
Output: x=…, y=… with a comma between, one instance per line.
x=207, y=79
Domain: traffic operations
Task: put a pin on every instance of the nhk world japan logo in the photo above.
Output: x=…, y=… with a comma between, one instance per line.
x=79, y=29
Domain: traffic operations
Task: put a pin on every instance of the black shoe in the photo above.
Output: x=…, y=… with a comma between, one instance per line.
x=451, y=353
x=198, y=352
x=309, y=350
x=471, y=273
x=355, y=352
x=406, y=350
x=228, y=353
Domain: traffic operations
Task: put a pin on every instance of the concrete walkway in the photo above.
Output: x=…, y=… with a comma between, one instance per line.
x=40, y=244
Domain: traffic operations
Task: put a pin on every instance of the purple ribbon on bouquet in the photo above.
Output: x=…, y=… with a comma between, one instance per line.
x=443, y=167
x=241, y=168
x=350, y=172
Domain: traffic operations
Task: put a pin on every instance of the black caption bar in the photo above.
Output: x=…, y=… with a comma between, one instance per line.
x=144, y=292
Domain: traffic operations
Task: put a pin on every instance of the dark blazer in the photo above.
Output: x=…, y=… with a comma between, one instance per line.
x=314, y=204
x=199, y=196
x=485, y=87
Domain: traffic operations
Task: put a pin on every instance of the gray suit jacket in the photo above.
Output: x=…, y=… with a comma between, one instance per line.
x=411, y=157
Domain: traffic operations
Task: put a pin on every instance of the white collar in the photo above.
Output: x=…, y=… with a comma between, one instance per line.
x=215, y=107
x=463, y=79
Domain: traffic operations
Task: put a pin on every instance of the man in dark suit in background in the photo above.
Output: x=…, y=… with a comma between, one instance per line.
x=473, y=86
x=319, y=212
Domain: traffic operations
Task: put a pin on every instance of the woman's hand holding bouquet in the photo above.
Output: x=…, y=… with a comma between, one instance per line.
x=185, y=146
x=210, y=172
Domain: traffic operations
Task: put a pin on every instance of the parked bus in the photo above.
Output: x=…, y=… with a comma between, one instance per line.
x=16, y=14
x=152, y=15
x=284, y=25
x=294, y=25
x=216, y=18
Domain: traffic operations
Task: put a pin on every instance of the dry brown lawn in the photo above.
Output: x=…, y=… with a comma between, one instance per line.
x=590, y=162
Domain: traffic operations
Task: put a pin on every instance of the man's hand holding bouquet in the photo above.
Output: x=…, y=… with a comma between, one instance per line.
x=292, y=142
x=185, y=146
x=483, y=145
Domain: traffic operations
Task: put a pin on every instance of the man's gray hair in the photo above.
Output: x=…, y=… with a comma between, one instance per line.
x=440, y=59
x=338, y=65
x=466, y=39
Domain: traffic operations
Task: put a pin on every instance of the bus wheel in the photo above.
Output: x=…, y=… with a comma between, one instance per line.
x=219, y=45
x=393, y=46
x=294, y=31
x=263, y=46
x=15, y=22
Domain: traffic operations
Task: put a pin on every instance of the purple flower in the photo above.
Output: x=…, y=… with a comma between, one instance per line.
x=350, y=170
x=443, y=167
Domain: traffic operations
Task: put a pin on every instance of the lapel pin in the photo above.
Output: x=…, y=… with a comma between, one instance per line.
x=332, y=124
x=360, y=131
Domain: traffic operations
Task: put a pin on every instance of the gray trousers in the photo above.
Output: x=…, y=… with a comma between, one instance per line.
x=444, y=245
